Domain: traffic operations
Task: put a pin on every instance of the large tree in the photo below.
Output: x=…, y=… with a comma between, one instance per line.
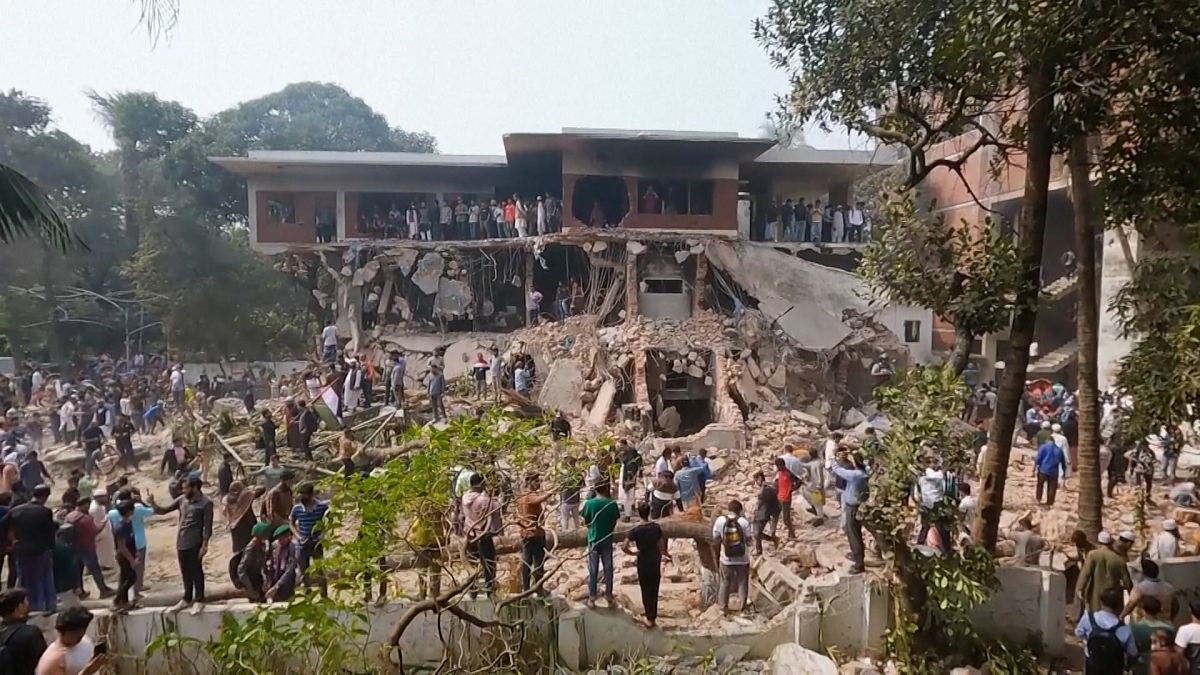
x=144, y=128
x=919, y=74
x=301, y=116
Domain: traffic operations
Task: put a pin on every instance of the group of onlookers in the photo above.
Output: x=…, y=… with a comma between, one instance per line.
x=464, y=218
x=802, y=221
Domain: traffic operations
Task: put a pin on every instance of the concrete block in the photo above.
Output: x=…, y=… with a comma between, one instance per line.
x=792, y=659
x=429, y=270
x=603, y=404
x=561, y=389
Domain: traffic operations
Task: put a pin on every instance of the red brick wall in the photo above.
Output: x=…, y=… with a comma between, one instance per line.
x=301, y=231
x=724, y=215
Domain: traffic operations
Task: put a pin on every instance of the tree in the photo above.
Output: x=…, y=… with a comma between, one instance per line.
x=144, y=128
x=967, y=277
x=918, y=74
x=301, y=116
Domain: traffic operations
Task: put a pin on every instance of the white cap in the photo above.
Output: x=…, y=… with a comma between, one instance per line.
x=1128, y=536
x=1045, y=425
x=1056, y=427
x=1169, y=525
x=1104, y=538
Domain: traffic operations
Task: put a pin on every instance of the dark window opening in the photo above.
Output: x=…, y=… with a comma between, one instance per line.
x=912, y=331
x=562, y=274
x=676, y=382
x=599, y=201
x=674, y=286
x=694, y=415
x=675, y=197
x=281, y=210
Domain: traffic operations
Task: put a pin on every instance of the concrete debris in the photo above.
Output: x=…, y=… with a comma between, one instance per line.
x=429, y=271
x=635, y=247
x=454, y=297
x=669, y=420
x=801, y=416
x=602, y=406
x=562, y=387
x=681, y=255
x=792, y=659
x=853, y=417
x=405, y=258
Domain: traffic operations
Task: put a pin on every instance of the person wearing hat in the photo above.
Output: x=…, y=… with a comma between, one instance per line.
x=1166, y=543
x=1103, y=569
x=1060, y=439
x=1124, y=544
x=282, y=565
x=191, y=539
x=252, y=562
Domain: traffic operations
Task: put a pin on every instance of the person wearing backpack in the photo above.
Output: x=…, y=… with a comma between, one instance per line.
x=1108, y=644
x=21, y=645
x=732, y=533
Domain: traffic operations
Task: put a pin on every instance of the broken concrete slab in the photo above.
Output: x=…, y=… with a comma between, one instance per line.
x=563, y=384
x=778, y=378
x=790, y=658
x=635, y=247
x=669, y=421
x=603, y=404
x=805, y=299
x=716, y=435
x=755, y=371
x=681, y=255
x=811, y=420
x=429, y=270
x=454, y=297
x=695, y=371
x=405, y=259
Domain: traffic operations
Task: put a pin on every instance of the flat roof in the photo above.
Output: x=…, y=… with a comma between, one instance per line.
x=285, y=161
x=573, y=138
x=811, y=155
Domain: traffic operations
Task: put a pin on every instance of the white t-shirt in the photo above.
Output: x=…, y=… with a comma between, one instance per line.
x=830, y=453
x=1187, y=636
x=176, y=380
x=329, y=336
x=1163, y=546
x=661, y=465
x=933, y=487
x=74, y=658
x=967, y=506
x=719, y=533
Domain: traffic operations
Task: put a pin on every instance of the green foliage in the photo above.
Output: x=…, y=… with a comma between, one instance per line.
x=967, y=276
x=301, y=116
x=935, y=594
x=310, y=634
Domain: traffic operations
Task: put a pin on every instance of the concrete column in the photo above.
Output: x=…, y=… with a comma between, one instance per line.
x=698, y=292
x=641, y=393
x=528, y=274
x=631, y=292
x=341, y=215
x=1117, y=259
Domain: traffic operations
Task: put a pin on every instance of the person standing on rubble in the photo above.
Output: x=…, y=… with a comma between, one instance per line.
x=352, y=386
x=496, y=373
x=832, y=446
x=1103, y=569
x=766, y=512
x=481, y=514
x=851, y=469
x=530, y=504
x=631, y=467
x=479, y=372
x=1047, y=464
x=600, y=514
x=436, y=387
x=267, y=431
x=786, y=483
x=651, y=552
x=329, y=342
x=308, y=424
x=399, y=369
x=732, y=533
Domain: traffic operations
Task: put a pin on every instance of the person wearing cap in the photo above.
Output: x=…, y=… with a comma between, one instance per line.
x=252, y=562
x=282, y=565
x=1124, y=544
x=1103, y=568
x=1166, y=543
x=191, y=539
x=306, y=517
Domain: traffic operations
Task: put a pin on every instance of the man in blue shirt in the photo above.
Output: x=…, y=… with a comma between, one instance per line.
x=852, y=470
x=1046, y=463
x=306, y=518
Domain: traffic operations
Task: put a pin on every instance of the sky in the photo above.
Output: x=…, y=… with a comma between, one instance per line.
x=465, y=71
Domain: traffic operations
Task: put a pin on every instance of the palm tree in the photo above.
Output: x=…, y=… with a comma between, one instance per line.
x=1086, y=332
x=26, y=211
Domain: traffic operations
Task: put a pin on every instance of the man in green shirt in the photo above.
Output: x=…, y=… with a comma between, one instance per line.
x=600, y=513
x=1103, y=568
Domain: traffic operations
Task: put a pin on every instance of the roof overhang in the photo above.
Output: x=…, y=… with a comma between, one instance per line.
x=779, y=162
x=310, y=163
x=635, y=144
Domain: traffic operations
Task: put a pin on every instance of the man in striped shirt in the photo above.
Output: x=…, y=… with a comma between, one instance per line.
x=306, y=523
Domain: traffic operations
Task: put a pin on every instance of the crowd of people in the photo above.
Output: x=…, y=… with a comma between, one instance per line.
x=808, y=221
x=464, y=219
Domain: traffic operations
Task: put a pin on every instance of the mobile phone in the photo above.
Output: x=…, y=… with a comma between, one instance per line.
x=100, y=648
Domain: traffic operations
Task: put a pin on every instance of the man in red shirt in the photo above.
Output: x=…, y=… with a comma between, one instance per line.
x=85, y=547
x=785, y=483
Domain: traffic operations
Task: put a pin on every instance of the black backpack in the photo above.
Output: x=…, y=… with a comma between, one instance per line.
x=733, y=539
x=1105, y=653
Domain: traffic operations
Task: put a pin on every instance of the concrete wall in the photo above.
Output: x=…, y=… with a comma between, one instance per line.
x=894, y=316
x=850, y=613
x=1116, y=270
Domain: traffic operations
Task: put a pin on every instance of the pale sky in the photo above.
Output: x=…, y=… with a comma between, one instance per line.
x=466, y=71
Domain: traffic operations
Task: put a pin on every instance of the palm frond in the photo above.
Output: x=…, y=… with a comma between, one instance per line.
x=26, y=211
x=159, y=17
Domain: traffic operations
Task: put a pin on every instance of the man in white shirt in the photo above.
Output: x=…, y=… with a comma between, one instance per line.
x=831, y=446
x=732, y=533
x=495, y=373
x=36, y=381
x=1187, y=638
x=1060, y=439
x=541, y=216
x=473, y=220
x=177, y=386
x=855, y=221
x=329, y=342
x=839, y=224
x=1166, y=543
x=522, y=217
x=66, y=421
x=534, y=304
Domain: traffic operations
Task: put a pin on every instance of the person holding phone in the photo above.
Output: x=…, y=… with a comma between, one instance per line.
x=73, y=653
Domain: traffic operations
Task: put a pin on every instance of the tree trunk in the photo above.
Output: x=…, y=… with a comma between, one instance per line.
x=1039, y=146
x=129, y=198
x=963, y=339
x=1087, y=312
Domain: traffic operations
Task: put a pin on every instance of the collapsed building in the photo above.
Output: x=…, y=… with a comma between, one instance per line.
x=676, y=318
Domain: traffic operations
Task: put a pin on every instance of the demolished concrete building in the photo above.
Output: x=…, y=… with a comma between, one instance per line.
x=677, y=318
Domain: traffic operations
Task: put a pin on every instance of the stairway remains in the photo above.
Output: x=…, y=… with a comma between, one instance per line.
x=1056, y=360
